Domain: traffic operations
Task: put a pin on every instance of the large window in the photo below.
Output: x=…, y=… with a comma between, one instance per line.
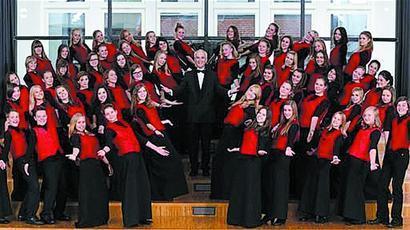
x=45, y=19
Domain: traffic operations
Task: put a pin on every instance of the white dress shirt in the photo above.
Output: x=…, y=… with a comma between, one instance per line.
x=200, y=78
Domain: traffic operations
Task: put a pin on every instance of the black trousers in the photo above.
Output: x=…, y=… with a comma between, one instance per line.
x=52, y=170
x=31, y=199
x=394, y=169
x=280, y=185
x=196, y=132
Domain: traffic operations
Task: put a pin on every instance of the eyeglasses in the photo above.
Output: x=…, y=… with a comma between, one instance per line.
x=137, y=73
x=94, y=59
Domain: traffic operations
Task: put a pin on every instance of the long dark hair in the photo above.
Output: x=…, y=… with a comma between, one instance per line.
x=344, y=40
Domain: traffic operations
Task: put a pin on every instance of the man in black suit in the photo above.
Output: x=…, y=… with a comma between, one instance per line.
x=201, y=89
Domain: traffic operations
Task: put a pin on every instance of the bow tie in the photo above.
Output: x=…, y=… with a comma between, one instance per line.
x=200, y=71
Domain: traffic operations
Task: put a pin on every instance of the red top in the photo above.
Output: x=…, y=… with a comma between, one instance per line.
x=166, y=79
x=80, y=53
x=383, y=111
x=23, y=124
x=235, y=116
x=275, y=108
x=249, y=143
x=368, y=80
x=125, y=140
x=18, y=146
x=138, y=51
x=336, y=58
x=400, y=132
x=97, y=77
x=282, y=75
x=88, y=95
x=307, y=109
x=359, y=58
x=89, y=146
x=47, y=144
x=120, y=98
x=246, y=79
x=354, y=121
x=32, y=78
x=327, y=143
x=372, y=97
x=173, y=64
x=279, y=61
x=360, y=147
x=224, y=70
x=43, y=65
x=112, y=51
x=152, y=117
x=281, y=141
x=347, y=92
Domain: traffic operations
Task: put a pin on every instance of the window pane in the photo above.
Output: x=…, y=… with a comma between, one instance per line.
x=236, y=1
x=129, y=21
x=169, y=21
x=244, y=23
x=290, y=23
x=292, y=1
x=179, y=0
x=354, y=23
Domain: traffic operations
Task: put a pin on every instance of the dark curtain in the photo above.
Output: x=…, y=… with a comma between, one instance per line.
x=403, y=47
x=7, y=32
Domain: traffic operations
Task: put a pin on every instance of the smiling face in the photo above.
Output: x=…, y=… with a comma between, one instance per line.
x=121, y=61
x=320, y=86
x=13, y=79
x=16, y=93
x=402, y=108
x=287, y=111
x=162, y=59
x=110, y=114
x=268, y=75
x=261, y=116
x=127, y=36
x=102, y=95
x=318, y=46
x=102, y=52
x=356, y=97
x=285, y=43
x=99, y=37
x=41, y=117
x=250, y=94
x=76, y=36
x=200, y=59
x=381, y=82
x=373, y=68
x=357, y=74
x=320, y=59
x=252, y=63
x=62, y=94
x=363, y=40
x=230, y=33
x=38, y=50
x=142, y=94
x=337, y=35
x=13, y=118
x=337, y=121
x=38, y=94
x=387, y=96
x=180, y=34
x=226, y=50
x=83, y=81
x=48, y=79
x=331, y=75
x=137, y=75
x=369, y=117
x=152, y=38
x=296, y=77
x=32, y=65
x=93, y=60
x=126, y=48
x=112, y=77
x=285, y=90
x=270, y=31
x=289, y=60
x=262, y=48
x=64, y=52
x=163, y=46
x=80, y=124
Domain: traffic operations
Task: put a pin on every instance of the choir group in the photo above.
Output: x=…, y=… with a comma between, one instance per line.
x=293, y=118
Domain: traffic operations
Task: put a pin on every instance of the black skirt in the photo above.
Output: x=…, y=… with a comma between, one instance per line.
x=93, y=195
x=5, y=207
x=136, y=197
x=278, y=206
x=353, y=203
x=223, y=166
x=166, y=173
x=245, y=201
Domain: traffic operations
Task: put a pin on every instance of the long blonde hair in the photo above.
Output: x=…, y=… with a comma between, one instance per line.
x=246, y=102
x=156, y=64
x=134, y=97
x=73, y=122
x=234, y=51
x=342, y=127
x=377, y=121
x=32, y=100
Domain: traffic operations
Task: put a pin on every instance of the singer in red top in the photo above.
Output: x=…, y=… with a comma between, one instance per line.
x=395, y=163
x=363, y=158
x=78, y=49
x=361, y=56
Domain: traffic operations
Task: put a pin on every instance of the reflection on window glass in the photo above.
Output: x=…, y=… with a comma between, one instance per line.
x=348, y=1
x=170, y=20
x=125, y=0
x=244, y=23
x=290, y=23
x=280, y=1
x=354, y=23
x=129, y=21
x=61, y=24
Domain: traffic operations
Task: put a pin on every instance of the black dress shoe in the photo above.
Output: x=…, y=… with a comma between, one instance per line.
x=355, y=222
x=146, y=222
x=34, y=221
x=321, y=219
x=378, y=221
x=48, y=220
x=63, y=217
x=278, y=222
x=395, y=224
x=21, y=218
x=4, y=220
x=266, y=219
x=306, y=218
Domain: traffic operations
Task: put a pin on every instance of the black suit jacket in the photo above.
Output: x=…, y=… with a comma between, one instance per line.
x=200, y=103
